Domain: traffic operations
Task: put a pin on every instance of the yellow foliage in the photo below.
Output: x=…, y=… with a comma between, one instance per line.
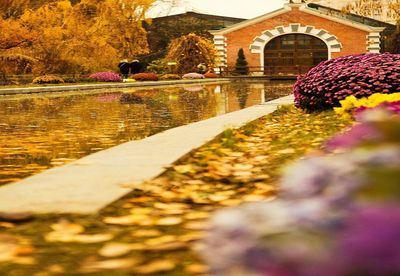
x=191, y=50
x=86, y=37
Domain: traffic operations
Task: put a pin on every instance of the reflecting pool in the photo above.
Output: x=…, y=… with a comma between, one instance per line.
x=46, y=130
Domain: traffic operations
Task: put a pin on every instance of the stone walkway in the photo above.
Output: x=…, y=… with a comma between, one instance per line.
x=91, y=183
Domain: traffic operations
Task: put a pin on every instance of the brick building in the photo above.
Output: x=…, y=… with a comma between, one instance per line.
x=291, y=40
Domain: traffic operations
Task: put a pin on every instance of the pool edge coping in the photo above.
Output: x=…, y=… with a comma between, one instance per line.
x=82, y=87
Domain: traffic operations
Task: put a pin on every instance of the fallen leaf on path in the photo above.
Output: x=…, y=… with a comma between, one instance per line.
x=65, y=231
x=146, y=233
x=155, y=267
x=161, y=240
x=126, y=220
x=252, y=198
x=115, y=249
x=141, y=199
x=65, y=227
x=169, y=246
x=197, y=225
x=188, y=168
x=169, y=221
x=196, y=269
x=13, y=248
x=191, y=236
x=124, y=263
x=78, y=238
x=286, y=151
x=197, y=215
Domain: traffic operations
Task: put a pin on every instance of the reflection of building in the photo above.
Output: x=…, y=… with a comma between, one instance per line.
x=291, y=40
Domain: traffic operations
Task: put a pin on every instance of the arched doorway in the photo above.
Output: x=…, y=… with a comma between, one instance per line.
x=293, y=54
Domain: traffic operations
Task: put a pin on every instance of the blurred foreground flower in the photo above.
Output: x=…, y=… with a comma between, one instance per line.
x=338, y=214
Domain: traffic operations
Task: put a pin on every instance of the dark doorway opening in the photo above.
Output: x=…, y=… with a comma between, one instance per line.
x=293, y=54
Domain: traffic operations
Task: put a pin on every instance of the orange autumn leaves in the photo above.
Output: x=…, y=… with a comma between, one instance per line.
x=65, y=38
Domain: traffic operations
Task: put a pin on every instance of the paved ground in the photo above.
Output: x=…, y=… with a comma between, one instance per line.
x=89, y=184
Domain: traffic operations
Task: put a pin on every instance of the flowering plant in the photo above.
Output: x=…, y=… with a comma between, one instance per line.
x=337, y=214
x=47, y=79
x=351, y=103
x=359, y=75
x=106, y=76
x=211, y=75
x=193, y=76
x=145, y=77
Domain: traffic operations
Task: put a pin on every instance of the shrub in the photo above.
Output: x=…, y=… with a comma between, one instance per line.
x=47, y=79
x=170, y=77
x=191, y=50
x=331, y=81
x=241, y=64
x=106, y=76
x=193, y=76
x=211, y=75
x=158, y=66
x=145, y=77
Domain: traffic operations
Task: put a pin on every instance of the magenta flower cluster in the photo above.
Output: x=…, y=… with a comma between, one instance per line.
x=337, y=214
x=359, y=75
x=106, y=77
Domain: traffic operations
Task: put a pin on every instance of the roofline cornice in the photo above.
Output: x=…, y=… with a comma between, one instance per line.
x=252, y=21
x=302, y=7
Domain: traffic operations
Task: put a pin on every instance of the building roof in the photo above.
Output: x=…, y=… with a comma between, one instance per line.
x=304, y=8
x=202, y=16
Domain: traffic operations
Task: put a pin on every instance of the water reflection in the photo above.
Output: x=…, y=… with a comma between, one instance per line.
x=41, y=131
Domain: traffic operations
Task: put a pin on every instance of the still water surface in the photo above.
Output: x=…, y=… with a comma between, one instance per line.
x=42, y=131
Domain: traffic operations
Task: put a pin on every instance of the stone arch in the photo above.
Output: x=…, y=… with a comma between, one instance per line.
x=258, y=45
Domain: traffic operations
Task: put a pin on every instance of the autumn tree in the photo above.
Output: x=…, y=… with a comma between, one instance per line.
x=191, y=50
x=388, y=8
x=74, y=37
x=13, y=8
x=372, y=8
x=13, y=37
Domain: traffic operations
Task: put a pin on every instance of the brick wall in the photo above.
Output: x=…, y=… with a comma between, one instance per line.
x=353, y=40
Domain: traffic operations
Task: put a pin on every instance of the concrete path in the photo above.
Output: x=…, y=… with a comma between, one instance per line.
x=91, y=183
x=80, y=87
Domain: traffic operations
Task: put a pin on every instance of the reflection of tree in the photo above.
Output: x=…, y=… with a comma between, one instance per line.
x=201, y=104
x=44, y=129
x=242, y=95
